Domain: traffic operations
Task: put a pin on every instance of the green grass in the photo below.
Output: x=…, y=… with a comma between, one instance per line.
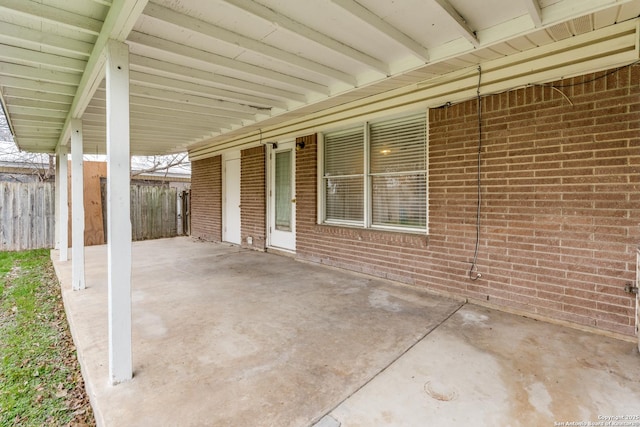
x=40, y=382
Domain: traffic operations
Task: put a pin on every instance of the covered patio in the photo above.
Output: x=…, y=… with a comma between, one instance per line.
x=228, y=336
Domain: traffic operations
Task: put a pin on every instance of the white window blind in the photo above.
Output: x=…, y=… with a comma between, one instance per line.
x=398, y=172
x=393, y=177
x=344, y=176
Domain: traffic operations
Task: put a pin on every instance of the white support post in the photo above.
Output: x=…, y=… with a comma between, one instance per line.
x=57, y=203
x=118, y=212
x=77, y=206
x=62, y=199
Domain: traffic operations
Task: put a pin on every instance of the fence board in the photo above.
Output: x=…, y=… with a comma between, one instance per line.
x=27, y=215
x=153, y=212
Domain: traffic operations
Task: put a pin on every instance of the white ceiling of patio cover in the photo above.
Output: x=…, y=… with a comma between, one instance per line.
x=203, y=70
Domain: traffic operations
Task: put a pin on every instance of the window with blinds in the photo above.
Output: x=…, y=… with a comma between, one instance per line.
x=344, y=176
x=376, y=175
x=398, y=172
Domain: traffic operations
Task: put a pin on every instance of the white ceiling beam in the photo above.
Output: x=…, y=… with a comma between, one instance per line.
x=41, y=60
x=137, y=138
x=164, y=116
x=29, y=131
x=38, y=145
x=158, y=127
x=38, y=86
x=193, y=24
x=51, y=14
x=104, y=2
x=183, y=98
x=37, y=112
x=144, y=116
x=38, y=133
x=12, y=92
x=207, y=113
x=95, y=123
x=289, y=24
x=18, y=123
x=121, y=18
x=534, y=11
x=364, y=14
x=34, y=103
x=175, y=85
x=143, y=63
x=38, y=74
x=37, y=119
x=460, y=23
x=222, y=61
x=33, y=39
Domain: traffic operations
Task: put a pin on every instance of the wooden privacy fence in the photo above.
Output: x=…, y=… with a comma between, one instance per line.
x=27, y=215
x=154, y=212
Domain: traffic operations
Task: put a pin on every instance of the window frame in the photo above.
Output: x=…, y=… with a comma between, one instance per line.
x=367, y=222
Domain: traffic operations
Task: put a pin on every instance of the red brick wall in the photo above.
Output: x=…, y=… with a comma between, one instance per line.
x=253, y=203
x=560, y=204
x=206, y=199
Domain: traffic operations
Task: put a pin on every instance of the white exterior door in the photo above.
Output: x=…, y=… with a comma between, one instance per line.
x=231, y=197
x=282, y=196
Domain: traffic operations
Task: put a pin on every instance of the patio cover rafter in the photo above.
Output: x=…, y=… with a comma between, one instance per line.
x=36, y=59
x=52, y=14
x=222, y=61
x=121, y=18
x=182, y=72
x=459, y=22
x=535, y=12
x=195, y=112
x=174, y=85
x=184, y=21
x=309, y=33
x=30, y=38
x=230, y=108
x=383, y=26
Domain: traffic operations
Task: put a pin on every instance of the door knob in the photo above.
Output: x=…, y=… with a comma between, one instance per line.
x=293, y=200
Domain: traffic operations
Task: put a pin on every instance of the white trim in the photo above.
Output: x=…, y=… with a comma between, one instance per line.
x=270, y=223
x=320, y=196
x=428, y=171
x=367, y=181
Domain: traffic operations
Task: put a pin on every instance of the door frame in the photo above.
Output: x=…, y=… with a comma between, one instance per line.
x=271, y=151
x=233, y=155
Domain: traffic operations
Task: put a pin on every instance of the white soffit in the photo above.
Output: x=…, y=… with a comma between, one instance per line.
x=206, y=72
x=609, y=47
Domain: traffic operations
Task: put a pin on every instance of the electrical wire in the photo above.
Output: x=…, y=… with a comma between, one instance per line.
x=473, y=271
x=474, y=274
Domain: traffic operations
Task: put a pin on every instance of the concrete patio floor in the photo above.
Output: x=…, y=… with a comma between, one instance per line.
x=229, y=337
